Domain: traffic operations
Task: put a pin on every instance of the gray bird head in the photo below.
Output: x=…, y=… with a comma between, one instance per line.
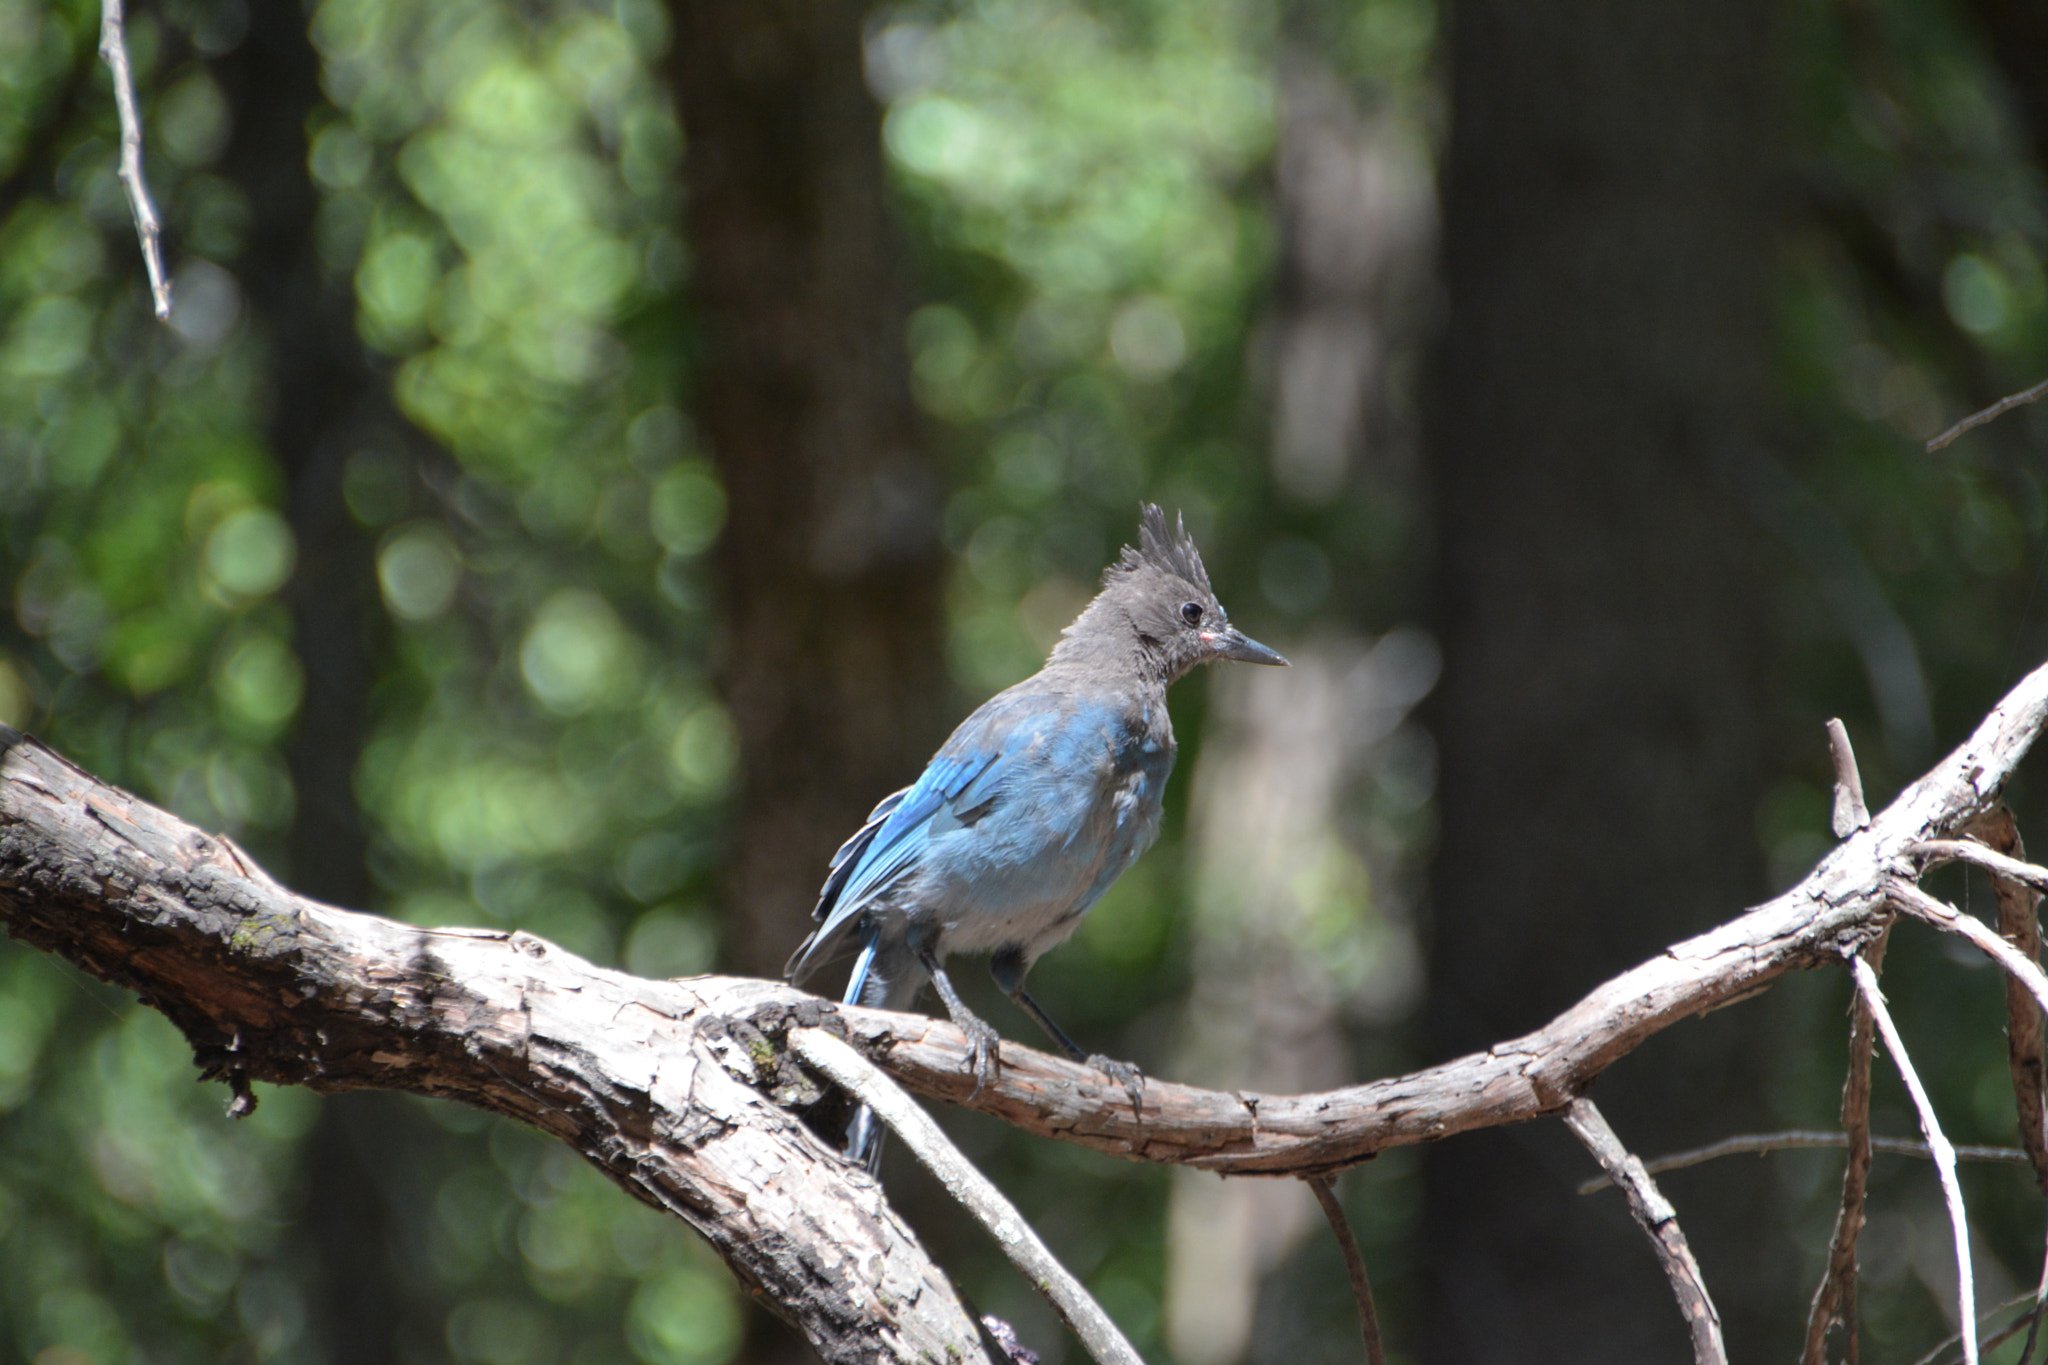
x=1159, y=595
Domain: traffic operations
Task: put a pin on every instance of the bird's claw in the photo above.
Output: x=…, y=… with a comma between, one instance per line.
x=1125, y=1074
x=983, y=1044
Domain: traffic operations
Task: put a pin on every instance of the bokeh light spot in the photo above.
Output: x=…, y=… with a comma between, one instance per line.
x=250, y=553
x=419, y=571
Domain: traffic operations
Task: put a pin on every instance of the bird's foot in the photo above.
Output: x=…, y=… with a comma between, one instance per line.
x=1125, y=1074
x=983, y=1056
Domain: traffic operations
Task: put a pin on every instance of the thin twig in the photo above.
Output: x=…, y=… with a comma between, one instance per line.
x=2019, y=925
x=1850, y=814
x=1835, y=1300
x=1997, y=863
x=1998, y=1338
x=867, y=1083
x=1657, y=1218
x=2016, y=908
x=114, y=52
x=1998, y=409
x=1354, y=1264
x=2034, y=1318
x=1801, y=1139
x=1944, y=1154
x=1941, y=915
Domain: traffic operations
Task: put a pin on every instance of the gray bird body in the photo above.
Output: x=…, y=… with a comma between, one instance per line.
x=1037, y=803
x=1077, y=772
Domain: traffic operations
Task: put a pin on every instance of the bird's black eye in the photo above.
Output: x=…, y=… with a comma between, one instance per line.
x=1192, y=613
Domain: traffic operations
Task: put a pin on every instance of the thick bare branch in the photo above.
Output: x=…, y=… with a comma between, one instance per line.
x=1660, y=1221
x=653, y=1082
x=1841, y=905
x=676, y=1089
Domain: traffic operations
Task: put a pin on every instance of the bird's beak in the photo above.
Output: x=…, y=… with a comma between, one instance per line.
x=1232, y=643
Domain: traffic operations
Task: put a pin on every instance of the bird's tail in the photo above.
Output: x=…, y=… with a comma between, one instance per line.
x=863, y=1131
x=884, y=977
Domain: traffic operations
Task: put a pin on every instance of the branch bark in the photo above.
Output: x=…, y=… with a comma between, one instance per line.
x=652, y=1082
x=148, y=227
x=1835, y=1301
x=1654, y=1214
x=2019, y=903
x=681, y=1091
x=1937, y=1142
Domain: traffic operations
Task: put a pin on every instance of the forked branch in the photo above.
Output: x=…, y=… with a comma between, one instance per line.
x=680, y=1091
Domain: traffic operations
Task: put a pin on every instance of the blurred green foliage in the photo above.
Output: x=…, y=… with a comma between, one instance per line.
x=1087, y=189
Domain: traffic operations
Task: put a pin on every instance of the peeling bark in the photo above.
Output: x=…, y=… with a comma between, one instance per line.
x=647, y=1080
x=682, y=1092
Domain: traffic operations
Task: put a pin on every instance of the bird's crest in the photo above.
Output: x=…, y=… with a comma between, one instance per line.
x=1167, y=549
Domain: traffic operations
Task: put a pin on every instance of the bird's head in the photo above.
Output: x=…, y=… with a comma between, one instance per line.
x=1160, y=593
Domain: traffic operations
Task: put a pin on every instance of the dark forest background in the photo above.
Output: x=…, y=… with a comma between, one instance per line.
x=600, y=448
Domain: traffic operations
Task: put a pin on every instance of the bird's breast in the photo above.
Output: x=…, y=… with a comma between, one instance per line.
x=1070, y=824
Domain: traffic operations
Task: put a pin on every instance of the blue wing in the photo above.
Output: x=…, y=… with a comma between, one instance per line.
x=960, y=784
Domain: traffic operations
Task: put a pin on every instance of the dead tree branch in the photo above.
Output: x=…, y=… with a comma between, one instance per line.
x=1802, y=1139
x=1835, y=1301
x=1944, y=1155
x=1942, y=915
x=1850, y=812
x=679, y=1090
x=148, y=228
x=1996, y=410
x=971, y=1188
x=2019, y=901
x=653, y=1082
x=1354, y=1265
x=1653, y=1212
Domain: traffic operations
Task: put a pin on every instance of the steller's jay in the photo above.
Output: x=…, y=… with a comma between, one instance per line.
x=1036, y=804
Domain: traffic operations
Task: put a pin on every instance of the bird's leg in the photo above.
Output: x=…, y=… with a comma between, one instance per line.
x=1008, y=969
x=982, y=1041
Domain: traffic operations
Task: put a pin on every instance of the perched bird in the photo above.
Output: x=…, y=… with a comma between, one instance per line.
x=1037, y=803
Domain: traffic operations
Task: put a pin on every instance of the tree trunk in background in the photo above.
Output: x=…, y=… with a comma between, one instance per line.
x=2016, y=40
x=1607, y=256
x=830, y=560
x=326, y=400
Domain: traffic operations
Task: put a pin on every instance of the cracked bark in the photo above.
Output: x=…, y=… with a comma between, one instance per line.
x=681, y=1092
x=637, y=1076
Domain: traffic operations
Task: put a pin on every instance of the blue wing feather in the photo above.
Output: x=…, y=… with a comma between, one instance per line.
x=966, y=776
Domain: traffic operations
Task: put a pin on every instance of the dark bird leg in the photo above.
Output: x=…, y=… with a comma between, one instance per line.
x=1008, y=969
x=982, y=1041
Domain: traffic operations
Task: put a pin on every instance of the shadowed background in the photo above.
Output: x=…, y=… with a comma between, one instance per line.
x=601, y=448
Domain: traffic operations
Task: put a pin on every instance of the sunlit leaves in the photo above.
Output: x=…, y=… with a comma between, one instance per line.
x=1083, y=175
x=539, y=236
